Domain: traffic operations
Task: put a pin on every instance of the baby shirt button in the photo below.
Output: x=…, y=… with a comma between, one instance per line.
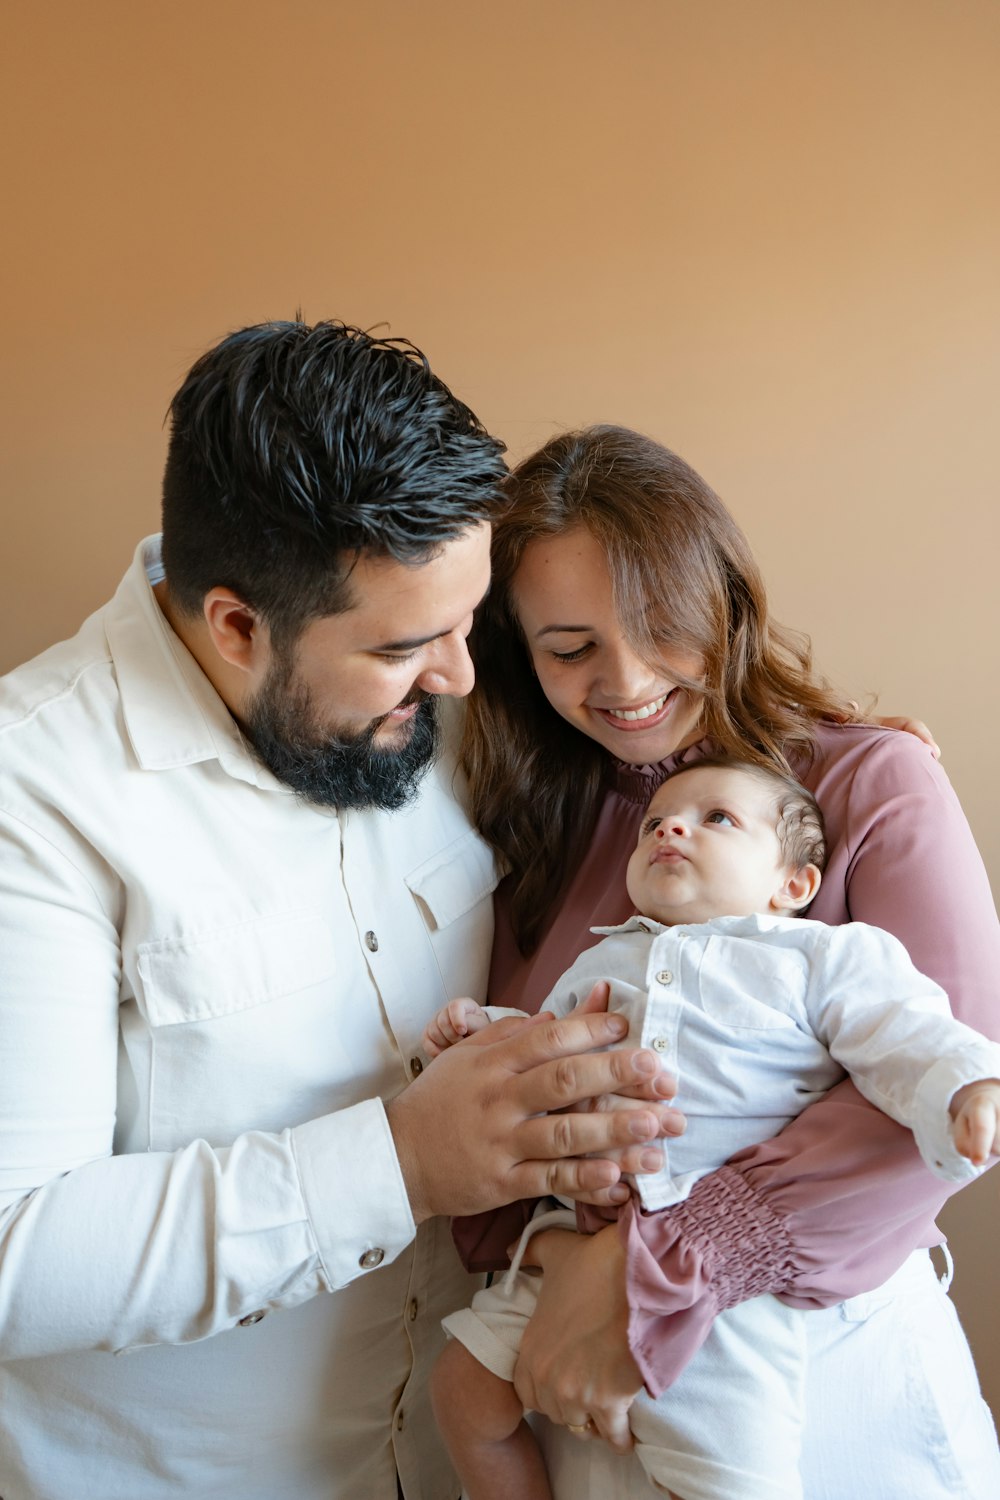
x=661, y=1044
x=664, y=977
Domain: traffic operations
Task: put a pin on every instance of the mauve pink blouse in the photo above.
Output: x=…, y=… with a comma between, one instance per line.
x=833, y=1205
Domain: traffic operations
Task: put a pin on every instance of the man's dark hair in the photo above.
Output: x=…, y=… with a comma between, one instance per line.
x=294, y=448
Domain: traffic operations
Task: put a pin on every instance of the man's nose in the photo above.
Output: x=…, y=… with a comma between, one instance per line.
x=449, y=672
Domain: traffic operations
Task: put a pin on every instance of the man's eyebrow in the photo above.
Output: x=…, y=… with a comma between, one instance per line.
x=408, y=645
x=413, y=642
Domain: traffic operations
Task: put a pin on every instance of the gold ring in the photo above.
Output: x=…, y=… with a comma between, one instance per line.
x=578, y=1428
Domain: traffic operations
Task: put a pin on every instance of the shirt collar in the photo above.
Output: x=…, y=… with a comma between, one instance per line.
x=760, y=921
x=173, y=715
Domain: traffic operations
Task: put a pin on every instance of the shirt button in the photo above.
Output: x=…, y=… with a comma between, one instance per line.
x=664, y=977
x=371, y=1259
x=416, y=1067
x=661, y=1044
x=411, y=1311
x=251, y=1319
x=371, y=942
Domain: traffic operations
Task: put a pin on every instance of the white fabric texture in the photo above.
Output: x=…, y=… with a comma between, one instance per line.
x=893, y=1363
x=758, y=1016
x=207, y=989
x=707, y=1436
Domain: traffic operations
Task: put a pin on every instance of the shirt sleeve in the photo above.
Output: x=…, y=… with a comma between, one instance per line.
x=833, y=1205
x=892, y=1029
x=99, y=1251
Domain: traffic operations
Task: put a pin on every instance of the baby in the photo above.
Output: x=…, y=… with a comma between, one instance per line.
x=758, y=1012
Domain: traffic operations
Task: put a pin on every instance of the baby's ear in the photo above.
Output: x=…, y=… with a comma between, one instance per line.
x=796, y=890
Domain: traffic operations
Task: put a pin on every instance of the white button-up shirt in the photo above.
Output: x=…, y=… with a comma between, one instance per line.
x=207, y=989
x=760, y=1015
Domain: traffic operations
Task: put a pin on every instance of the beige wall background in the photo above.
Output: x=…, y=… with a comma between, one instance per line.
x=767, y=233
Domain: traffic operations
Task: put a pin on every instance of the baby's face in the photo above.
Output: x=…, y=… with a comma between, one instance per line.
x=707, y=848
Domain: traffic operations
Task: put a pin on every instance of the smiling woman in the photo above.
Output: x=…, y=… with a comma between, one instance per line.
x=626, y=598
x=626, y=633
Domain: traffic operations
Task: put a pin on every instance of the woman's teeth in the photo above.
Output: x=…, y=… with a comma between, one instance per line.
x=638, y=713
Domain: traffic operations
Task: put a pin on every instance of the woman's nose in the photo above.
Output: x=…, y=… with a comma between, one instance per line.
x=627, y=678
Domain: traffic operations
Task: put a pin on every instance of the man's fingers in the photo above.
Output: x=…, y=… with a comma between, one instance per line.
x=589, y=1179
x=566, y=1081
x=546, y=1137
x=549, y=1039
x=662, y=1085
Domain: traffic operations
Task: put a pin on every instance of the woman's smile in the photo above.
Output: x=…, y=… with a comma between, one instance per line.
x=649, y=716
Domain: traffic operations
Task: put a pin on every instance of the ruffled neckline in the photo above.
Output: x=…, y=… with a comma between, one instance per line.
x=638, y=783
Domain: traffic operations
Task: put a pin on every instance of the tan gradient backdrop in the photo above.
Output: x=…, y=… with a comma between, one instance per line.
x=767, y=233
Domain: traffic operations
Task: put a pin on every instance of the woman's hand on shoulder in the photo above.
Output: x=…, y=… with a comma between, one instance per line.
x=900, y=722
x=915, y=727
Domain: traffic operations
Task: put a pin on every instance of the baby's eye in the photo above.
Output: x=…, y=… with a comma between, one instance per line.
x=718, y=816
x=651, y=824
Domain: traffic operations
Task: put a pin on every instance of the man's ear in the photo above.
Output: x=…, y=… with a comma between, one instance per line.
x=236, y=631
x=797, y=889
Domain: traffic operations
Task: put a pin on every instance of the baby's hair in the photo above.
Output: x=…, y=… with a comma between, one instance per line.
x=799, y=822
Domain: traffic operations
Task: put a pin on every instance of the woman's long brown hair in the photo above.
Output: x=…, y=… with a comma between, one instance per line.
x=683, y=579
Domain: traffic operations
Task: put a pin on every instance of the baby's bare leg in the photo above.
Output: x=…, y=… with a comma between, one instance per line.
x=482, y=1422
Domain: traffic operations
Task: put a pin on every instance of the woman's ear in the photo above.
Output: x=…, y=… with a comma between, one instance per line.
x=797, y=889
x=235, y=630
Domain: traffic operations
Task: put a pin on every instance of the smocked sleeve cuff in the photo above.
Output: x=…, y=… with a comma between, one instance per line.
x=680, y=1272
x=354, y=1191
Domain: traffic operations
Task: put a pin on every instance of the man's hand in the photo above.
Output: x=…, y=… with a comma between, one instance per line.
x=476, y=1130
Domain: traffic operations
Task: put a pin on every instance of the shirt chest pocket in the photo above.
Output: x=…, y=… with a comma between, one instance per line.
x=452, y=892
x=233, y=969
x=744, y=986
x=239, y=1029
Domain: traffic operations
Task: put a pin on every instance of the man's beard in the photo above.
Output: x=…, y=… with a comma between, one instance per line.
x=331, y=766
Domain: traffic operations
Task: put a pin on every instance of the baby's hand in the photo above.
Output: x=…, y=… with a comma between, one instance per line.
x=975, y=1110
x=459, y=1018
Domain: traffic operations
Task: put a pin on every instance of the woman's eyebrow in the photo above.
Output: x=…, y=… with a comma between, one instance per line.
x=556, y=629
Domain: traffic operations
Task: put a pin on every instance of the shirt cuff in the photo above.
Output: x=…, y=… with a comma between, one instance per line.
x=933, y=1126
x=354, y=1191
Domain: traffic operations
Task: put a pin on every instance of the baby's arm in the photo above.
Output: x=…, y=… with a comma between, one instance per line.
x=455, y=1020
x=975, y=1110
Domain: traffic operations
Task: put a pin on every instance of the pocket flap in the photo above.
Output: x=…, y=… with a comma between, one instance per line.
x=456, y=879
x=235, y=968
